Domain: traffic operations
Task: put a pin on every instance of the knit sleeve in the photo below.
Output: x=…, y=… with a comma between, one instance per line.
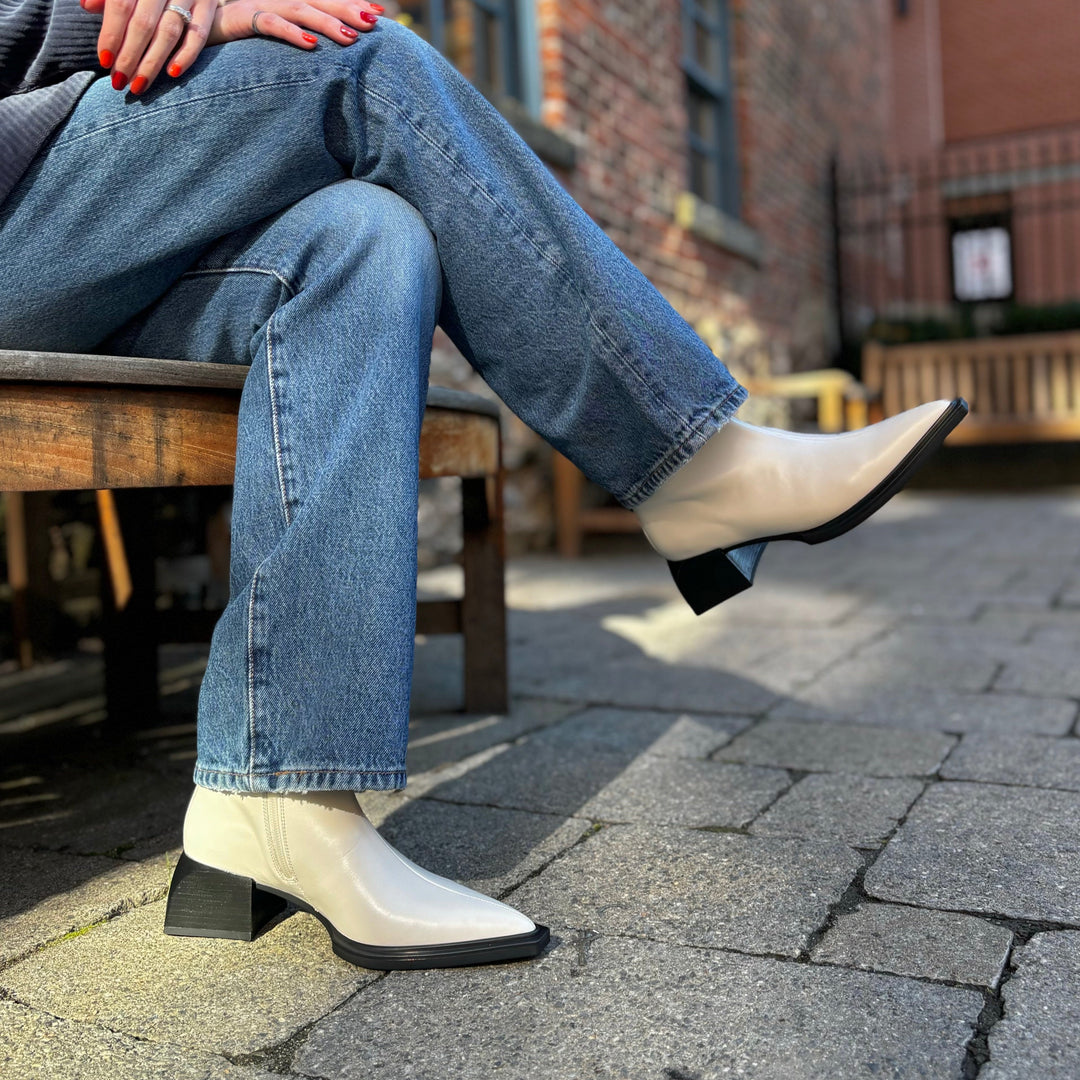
x=42, y=42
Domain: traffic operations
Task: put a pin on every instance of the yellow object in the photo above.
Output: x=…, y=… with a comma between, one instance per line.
x=841, y=400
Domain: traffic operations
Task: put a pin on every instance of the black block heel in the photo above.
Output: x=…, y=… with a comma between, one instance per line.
x=715, y=576
x=204, y=902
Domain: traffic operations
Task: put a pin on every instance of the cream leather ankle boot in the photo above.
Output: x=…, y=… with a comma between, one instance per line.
x=245, y=855
x=748, y=486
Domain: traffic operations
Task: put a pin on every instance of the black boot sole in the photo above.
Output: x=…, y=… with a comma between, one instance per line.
x=715, y=576
x=205, y=902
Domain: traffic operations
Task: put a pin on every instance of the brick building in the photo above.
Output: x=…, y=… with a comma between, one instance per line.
x=698, y=134
x=972, y=222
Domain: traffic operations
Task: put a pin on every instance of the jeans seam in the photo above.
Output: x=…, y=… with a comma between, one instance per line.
x=142, y=114
x=242, y=270
x=251, y=674
x=301, y=772
x=555, y=264
x=275, y=420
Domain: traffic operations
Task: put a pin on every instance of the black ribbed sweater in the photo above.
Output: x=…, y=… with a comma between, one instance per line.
x=48, y=57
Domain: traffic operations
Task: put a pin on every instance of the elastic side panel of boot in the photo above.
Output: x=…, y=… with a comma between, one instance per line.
x=204, y=902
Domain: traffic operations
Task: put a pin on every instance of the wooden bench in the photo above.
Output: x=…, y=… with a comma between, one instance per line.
x=100, y=422
x=1020, y=389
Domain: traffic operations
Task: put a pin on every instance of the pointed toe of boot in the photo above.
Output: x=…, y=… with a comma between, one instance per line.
x=748, y=487
x=246, y=856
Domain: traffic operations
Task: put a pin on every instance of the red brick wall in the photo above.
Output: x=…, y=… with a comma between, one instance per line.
x=918, y=122
x=1009, y=65
x=809, y=76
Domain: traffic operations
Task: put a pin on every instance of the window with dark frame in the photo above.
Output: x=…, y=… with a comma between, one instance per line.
x=480, y=37
x=714, y=174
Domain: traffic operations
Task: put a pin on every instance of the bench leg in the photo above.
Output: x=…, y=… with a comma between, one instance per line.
x=568, y=487
x=130, y=633
x=483, y=608
x=18, y=575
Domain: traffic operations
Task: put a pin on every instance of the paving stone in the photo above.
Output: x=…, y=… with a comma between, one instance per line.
x=485, y=848
x=859, y=810
x=543, y=583
x=902, y=661
x=753, y=894
x=789, y=654
x=984, y=848
x=661, y=734
x=89, y=816
x=1038, y=669
x=437, y=739
x=36, y=1045
x=642, y=683
x=228, y=997
x=1039, y=1034
x=911, y=941
x=542, y=775
x=1017, y=759
x=667, y=791
x=616, y=1008
x=838, y=748
x=47, y=895
x=929, y=709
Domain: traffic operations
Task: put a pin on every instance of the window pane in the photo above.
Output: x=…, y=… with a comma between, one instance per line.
x=419, y=16
x=703, y=118
x=704, y=48
x=460, y=36
x=489, y=60
x=703, y=175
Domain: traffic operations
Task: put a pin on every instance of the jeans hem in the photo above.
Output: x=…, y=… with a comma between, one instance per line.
x=698, y=434
x=301, y=780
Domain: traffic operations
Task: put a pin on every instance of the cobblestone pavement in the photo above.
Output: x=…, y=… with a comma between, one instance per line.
x=830, y=829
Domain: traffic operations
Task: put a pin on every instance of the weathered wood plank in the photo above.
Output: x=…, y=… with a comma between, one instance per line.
x=56, y=436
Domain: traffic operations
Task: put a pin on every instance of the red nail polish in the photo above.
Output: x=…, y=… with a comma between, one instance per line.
x=309, y=38
x=348, y=31
x=378, y=7
x=119, y=80
x=106, y=58
x=174, y=70
x=368, y=17
x=138, y=84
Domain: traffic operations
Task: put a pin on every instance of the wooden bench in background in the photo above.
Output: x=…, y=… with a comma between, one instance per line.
x=99, y=422
x=1020, y=389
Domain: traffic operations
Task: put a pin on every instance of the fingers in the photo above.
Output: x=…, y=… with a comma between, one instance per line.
x=141, y=27
x=113, y=26
x=333, y=25
x=171, y=31
x=271, y=24
x=202, y=19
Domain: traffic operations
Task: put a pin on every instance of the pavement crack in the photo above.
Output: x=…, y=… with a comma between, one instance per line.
x=278, y=1058
x=977, y=1051
x=586, y=835
x=852, y=898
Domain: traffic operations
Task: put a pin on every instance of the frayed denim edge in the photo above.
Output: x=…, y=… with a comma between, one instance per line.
x=300, y=780
x=681, y=452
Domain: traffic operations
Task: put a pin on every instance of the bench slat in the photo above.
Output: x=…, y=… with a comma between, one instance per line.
x=1024, y=388
x=20, y=365
x=92, y=435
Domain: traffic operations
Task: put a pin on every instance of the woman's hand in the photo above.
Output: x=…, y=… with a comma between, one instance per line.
x=139, y=36
x=339, y=20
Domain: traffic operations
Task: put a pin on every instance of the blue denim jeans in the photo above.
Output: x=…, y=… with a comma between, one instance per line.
x=314, y=215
